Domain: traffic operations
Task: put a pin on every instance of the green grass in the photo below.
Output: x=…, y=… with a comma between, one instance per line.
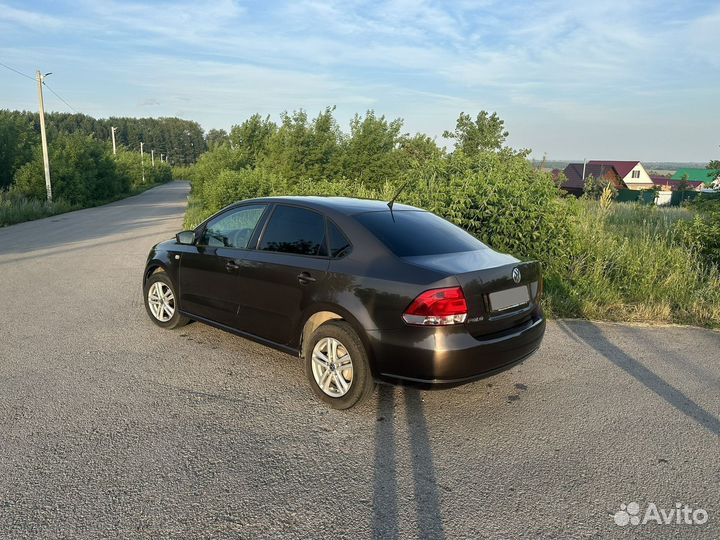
x=194, y=214
x=629, y=266
x=18, y=209
x=635, y=220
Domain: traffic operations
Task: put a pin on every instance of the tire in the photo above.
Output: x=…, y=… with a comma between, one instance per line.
x=159, y=308
x=357, y=376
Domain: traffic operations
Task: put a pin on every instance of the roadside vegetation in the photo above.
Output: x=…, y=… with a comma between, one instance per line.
x=84, y=170
x=602, y=259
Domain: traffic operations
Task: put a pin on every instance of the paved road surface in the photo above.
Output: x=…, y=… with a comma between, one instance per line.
x=113, y=428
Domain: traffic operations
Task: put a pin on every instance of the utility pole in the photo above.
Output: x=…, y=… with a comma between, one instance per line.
x=112, y=131
x=142, y=161
x=43, y=136
x=584, y=162
x=152, y=156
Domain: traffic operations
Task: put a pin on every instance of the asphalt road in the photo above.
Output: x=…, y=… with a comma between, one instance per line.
x=113, y=428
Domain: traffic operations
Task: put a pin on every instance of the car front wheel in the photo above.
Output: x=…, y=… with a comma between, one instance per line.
x=337, y=366
x=161, y=302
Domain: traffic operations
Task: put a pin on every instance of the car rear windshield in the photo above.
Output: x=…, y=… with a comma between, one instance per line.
x=412, y=233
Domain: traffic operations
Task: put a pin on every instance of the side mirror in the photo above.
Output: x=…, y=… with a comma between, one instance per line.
x=185, y=237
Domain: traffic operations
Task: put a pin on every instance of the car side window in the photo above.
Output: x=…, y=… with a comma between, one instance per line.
x=233, y=229
x=337, y=241
x=295, y=230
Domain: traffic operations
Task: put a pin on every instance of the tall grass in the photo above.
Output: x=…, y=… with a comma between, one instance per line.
x=628, y=266
x=635, y=220
x=15, y=209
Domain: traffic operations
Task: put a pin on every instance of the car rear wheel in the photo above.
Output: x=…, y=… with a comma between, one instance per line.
x=161, y=302
x=337, y=366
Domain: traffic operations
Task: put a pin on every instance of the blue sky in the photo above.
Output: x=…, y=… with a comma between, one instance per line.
x=602, y=80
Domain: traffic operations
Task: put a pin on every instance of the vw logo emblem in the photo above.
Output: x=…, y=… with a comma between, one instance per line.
x=516, y=275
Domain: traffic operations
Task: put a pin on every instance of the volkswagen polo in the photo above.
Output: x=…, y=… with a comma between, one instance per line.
x=361, y=290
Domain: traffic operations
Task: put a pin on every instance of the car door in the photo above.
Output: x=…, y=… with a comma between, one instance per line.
x=209, y=274
x=284, y=274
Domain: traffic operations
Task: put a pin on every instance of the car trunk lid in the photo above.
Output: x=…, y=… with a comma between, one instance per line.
x=501, y=291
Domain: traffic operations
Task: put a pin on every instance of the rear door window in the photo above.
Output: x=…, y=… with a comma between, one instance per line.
x=295, y=230
x=412, y=233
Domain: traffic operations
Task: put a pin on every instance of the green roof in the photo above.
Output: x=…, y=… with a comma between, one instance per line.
x=697, y=175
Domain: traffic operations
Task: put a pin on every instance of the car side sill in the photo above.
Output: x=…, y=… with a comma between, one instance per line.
x=252, y=337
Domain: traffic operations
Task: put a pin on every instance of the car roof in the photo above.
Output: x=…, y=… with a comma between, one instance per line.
x=343, y=205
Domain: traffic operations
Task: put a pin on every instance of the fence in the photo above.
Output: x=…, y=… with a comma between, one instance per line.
x=675, y=198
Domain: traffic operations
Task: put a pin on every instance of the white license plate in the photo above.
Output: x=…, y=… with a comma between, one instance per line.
x=509, y=298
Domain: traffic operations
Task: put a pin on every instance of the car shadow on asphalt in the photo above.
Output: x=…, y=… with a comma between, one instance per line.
x=694, y=369
x=385, y=488
x=592, y=336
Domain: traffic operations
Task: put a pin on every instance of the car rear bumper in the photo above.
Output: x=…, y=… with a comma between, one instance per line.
x=449, y=356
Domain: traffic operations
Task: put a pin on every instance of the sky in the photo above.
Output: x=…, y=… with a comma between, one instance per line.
x=598, y=80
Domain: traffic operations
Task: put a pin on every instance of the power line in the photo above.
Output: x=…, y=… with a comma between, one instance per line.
x=44, y=83
x=18, y=72
x=60, y=98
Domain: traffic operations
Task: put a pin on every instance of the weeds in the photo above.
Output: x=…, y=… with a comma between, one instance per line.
x=19, y=209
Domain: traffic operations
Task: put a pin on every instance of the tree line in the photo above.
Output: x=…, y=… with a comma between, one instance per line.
x=83, y=168
x=182, y=140
x=374, y=150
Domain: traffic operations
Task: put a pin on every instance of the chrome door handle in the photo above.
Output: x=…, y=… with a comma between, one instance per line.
x=304, y=278
x=231, y=265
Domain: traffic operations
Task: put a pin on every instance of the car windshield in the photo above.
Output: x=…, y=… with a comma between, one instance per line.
x=411, y=233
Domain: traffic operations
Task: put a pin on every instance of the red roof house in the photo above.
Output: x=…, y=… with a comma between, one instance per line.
x=575, y=182
x=632, y=173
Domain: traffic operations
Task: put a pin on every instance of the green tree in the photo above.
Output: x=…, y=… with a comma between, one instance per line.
x=593, y=188
x=216, y=136
x=303, y=148
x=324, y=155
x=684, y=183
x=82, y=171
x=418, y=148
x=371, y=151
x=17, y=140
x=714, y=170
x=250, y=139
x=485, y=133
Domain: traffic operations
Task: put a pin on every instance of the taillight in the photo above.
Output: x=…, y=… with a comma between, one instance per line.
x=437, y=307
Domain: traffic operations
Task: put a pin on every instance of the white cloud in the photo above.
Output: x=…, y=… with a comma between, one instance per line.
x=31, y=19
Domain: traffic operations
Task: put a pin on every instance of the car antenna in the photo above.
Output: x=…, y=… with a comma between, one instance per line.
x=397, y=194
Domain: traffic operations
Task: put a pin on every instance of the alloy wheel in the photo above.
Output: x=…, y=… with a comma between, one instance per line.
x=332, y=367
x=161, y=301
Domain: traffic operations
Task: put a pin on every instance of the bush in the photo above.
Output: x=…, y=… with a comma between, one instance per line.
x=212, y=163
x=182, y=172
x=130, y=166
x=230, y=186
x=500, y=198
x=702, y=234
x=81, y=169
